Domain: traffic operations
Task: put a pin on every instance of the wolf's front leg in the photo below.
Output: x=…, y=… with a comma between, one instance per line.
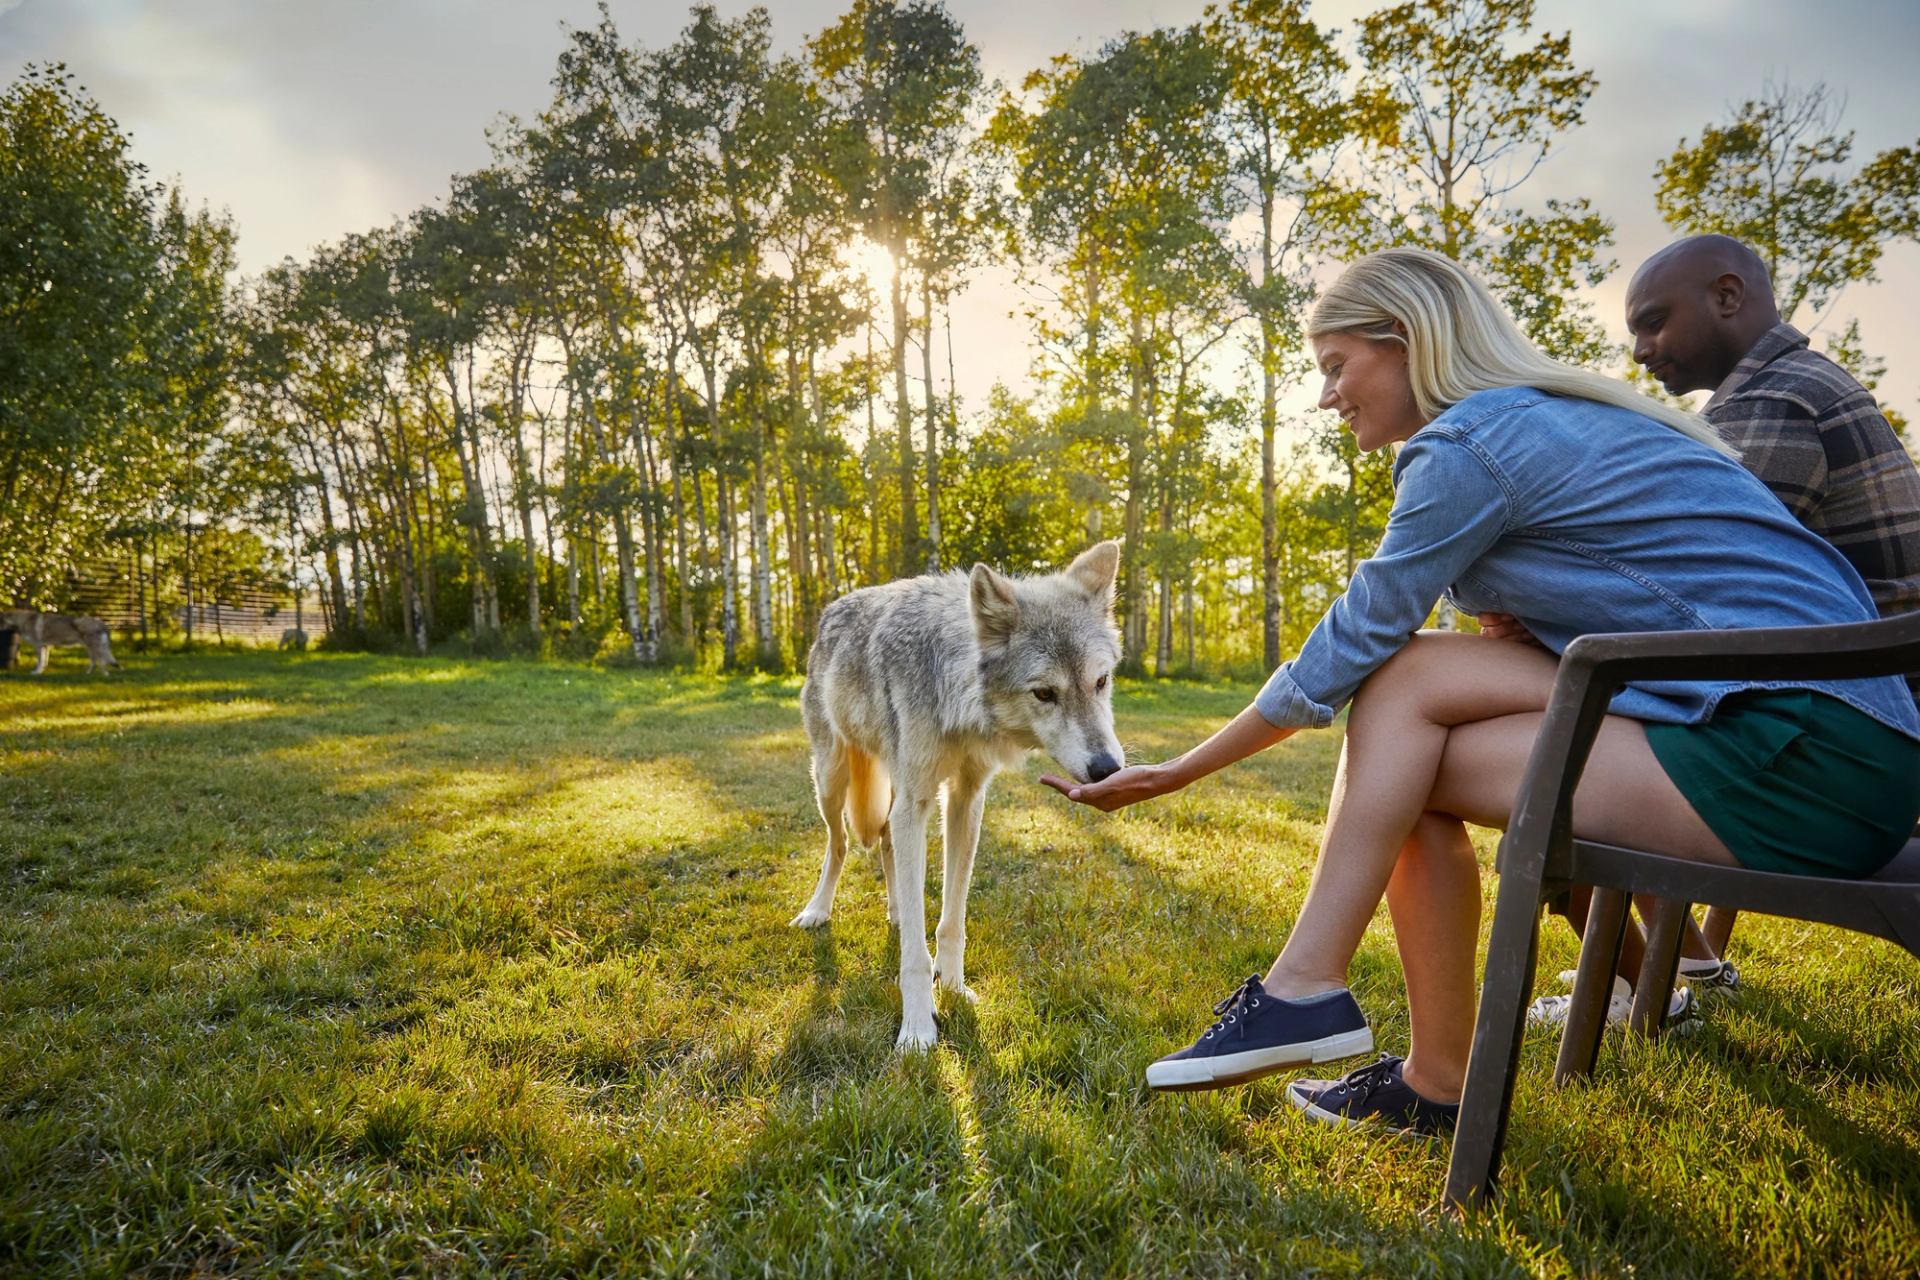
x=966, y=798
x=908, y=823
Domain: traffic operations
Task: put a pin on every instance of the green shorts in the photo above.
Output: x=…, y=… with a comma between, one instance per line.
x=1796, y=782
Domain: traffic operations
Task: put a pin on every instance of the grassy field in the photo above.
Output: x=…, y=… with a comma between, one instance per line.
x=354, y=965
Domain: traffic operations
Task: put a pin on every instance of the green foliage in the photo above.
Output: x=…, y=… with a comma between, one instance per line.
x=78, y=260
x=1019, y=501
x=1774, y=177
x=115, y=375
x=1466, y=119
x=664, y=376
x=904, y=78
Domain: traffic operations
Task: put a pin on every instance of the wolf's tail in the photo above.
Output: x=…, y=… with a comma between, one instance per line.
x=869, y=796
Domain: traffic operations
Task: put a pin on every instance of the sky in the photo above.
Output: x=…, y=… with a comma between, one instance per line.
x=310, y=119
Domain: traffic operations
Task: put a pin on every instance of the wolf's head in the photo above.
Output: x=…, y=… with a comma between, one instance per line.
x=1047, y=653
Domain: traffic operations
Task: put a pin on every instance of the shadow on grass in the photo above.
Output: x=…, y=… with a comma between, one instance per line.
x=414, y=855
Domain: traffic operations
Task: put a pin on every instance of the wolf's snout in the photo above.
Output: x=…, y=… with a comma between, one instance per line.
x=1102, y=767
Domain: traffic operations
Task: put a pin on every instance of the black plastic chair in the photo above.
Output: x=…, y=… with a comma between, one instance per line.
x=1539, y=858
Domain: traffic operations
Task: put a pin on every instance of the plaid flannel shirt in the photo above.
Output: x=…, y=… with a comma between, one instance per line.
x=1816, y=438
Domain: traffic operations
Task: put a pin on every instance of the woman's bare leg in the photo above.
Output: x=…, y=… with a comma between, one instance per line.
x=1396, y=735
x=1446, y=726
x=1434, y=899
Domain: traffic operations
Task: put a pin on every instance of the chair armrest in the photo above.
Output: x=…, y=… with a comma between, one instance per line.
x=1845, y=651
x=1595, y=666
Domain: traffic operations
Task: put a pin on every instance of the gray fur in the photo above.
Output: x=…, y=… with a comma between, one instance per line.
x=44, y=630
x=933, y=680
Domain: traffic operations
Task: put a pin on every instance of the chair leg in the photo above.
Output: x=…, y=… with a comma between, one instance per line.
x=1718, y=928
x=1488, y=1096
x=1654, y=989
x=1592, y=985
x=1901, y=911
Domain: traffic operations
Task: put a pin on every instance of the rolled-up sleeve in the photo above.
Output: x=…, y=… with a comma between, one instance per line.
x=1450, y=505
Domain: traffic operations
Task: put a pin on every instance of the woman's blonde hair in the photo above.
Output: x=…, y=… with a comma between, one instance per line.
x=1460, y=340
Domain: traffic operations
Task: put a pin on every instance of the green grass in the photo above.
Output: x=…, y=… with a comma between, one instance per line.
x=353, y=965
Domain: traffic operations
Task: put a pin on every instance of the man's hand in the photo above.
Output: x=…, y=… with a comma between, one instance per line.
x=1129, y=786
x=1504, y=626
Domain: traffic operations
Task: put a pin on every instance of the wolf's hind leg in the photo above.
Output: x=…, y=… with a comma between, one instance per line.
x=883, y=854
x=966, y=799
x=908, y=819
x=830, y=788
x=41, y=664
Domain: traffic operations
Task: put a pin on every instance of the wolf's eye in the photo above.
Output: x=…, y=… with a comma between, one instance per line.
x=1099, y=684
x=1045, y=695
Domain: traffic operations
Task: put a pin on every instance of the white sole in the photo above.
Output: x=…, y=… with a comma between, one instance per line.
x=1679, y=1009
x=1320, y=1115
x=1237, y=1068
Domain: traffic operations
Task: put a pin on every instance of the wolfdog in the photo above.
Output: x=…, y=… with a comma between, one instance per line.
x=44, y=630
x=923, y=689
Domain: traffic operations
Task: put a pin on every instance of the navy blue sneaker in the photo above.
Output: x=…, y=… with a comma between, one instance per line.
x=1258, y=1034
x=1374, y=1095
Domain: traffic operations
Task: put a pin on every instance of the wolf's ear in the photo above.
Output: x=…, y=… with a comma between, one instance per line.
x=1093, y=569
x=991, y=600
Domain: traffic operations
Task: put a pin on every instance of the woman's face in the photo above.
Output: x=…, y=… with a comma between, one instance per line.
x=1366, y=383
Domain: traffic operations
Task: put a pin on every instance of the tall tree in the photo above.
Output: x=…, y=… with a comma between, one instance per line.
x=1287, y=116
x=1122, y=171
x=904, y=79
x=190, y=355
x=1474, y=119
x=446, y=294
x=1777, y=177
x=79, y=261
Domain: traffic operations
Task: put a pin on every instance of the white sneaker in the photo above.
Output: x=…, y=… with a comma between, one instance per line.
x=1710, y=977
x=1551, y=1011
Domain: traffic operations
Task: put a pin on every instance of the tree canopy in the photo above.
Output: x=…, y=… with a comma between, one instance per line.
x=676, y=366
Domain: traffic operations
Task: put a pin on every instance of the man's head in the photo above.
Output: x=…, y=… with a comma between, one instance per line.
x=1695, y=308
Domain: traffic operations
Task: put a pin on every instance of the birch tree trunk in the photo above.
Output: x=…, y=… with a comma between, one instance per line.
x=909, y=560
x=933, y=430
x=729, y=572
x=1134, y=632
x=523, y=482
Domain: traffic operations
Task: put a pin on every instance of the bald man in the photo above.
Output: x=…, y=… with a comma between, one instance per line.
x=1703, y=318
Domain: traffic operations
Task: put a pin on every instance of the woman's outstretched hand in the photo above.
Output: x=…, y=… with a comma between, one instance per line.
x=1129, y=786
x=1239, y=738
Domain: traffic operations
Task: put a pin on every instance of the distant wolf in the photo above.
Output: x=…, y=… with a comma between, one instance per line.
x=293, y=638
x=931, y=685
x=44, y=630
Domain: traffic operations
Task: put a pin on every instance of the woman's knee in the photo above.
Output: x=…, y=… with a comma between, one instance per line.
x=1408, y=673
x=1437, y=838
x=1450, y=678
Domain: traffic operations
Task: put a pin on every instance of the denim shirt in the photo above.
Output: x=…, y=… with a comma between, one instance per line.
x=1579, y=517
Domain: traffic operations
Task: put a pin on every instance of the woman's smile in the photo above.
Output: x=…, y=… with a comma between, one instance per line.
x=1367, y=384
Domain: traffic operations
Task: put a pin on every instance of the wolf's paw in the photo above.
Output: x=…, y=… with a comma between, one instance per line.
x=811, y=918
x=917, y=1034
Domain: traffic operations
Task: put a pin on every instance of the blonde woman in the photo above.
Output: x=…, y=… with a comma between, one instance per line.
x=1532, y=488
